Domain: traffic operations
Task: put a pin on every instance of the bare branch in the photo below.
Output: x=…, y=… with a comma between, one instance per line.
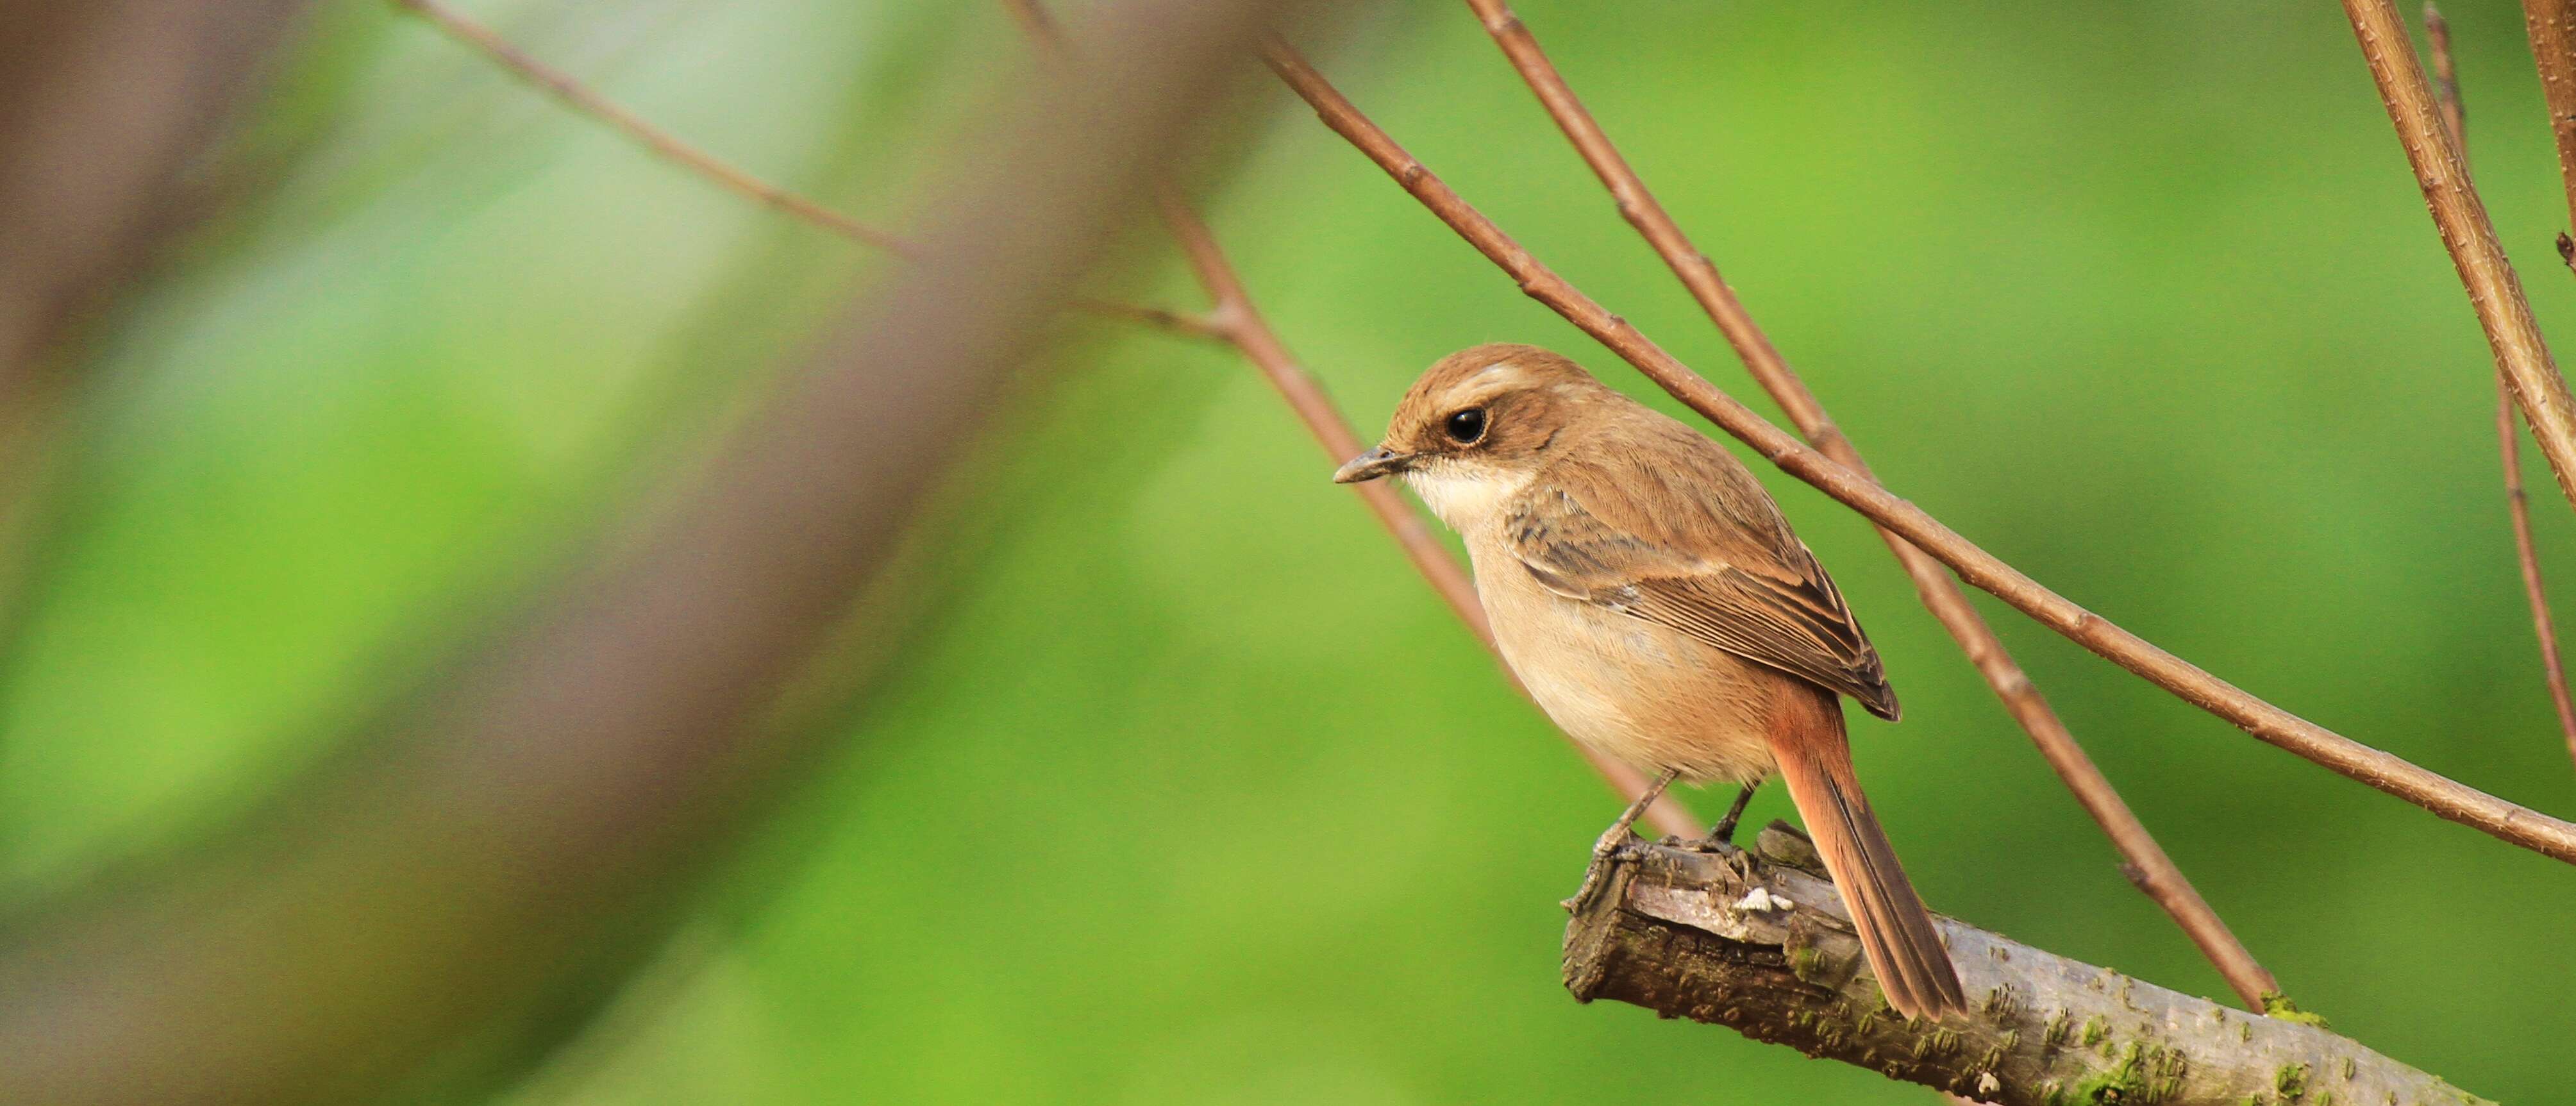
x=1252, y=335
x=2149, y=868
x=1238, y=326
x=1234, y=319
x=1755, y=943
x=2461, y=217
x=2446, y=81
x=582, y=98
x=1180, y=323
x=2504, y=820
x=2551, y=25
x=503, y=830
x=2553, y=667
x=103, y=106
x=2455, y=120
x=724, y=174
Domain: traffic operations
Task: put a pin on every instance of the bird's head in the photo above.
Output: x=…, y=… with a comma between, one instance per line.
x=1479, y=425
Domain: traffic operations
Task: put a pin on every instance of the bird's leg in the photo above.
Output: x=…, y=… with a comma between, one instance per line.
x=1722, y=835
x=1617, y=834
x=1724, y=830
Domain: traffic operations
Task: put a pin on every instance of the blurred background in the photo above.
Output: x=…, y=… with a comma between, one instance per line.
x=1185, y=789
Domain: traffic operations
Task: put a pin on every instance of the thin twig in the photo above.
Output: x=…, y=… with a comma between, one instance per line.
x=2146, y=863
x=1233, y=319
x=724, y=174
x=1242, y=325
x=514, y=829
x=2552, y=28
x=2447, y=798
x=1159, y=318
x=582, y=98
x=2518, y=504
x=2446, y=82
x=2461, y=217
x=2455, y=119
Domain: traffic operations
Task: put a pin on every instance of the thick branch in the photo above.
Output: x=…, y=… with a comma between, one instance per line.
x=2449, y=799
x=103, y=106
x=2150, y=869
x=502, y=827
x=2461, y=217
x=1754, y=943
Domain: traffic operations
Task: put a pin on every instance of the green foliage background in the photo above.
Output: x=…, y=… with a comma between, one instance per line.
x=1187, y=791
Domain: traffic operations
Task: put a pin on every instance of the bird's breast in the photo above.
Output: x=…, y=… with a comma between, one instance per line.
x=1635, y=690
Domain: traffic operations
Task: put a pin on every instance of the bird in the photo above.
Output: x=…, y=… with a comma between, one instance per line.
x=1654, y=601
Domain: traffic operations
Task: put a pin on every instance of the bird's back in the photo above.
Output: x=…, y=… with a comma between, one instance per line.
x=1644, y=692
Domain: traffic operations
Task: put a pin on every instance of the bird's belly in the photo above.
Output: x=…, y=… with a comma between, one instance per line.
x=1634, y=690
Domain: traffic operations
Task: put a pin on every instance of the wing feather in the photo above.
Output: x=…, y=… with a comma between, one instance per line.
x=1687, y=547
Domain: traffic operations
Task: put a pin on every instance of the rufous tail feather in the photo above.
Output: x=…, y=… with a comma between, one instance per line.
x=1896, y=931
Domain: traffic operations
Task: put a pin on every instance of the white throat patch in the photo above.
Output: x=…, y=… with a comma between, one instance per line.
x=1464, y=500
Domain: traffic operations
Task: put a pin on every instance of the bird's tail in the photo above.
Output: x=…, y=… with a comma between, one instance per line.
x=1896, y=931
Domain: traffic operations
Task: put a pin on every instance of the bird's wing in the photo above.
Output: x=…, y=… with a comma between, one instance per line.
x=1696, y=546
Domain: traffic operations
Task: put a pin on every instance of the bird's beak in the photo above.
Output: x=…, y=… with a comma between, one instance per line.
x=1375, y=463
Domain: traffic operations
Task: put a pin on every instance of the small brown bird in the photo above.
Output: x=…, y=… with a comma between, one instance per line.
x=1651, y=596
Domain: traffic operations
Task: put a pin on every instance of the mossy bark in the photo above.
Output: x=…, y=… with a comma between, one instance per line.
x=1684, y=933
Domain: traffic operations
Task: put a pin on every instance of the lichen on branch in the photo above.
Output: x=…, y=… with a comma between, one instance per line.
x=1758, y=941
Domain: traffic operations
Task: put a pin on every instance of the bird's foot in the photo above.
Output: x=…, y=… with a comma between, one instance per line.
x=1721, y=837
x=1623, y=829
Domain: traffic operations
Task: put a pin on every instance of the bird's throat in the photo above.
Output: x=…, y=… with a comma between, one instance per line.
x=1465, y=498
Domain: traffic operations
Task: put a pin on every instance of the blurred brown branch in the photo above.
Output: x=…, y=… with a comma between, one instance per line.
x=2461, y=217
x=671, y=147
x=1751, y=941
x=93, y=178
x=496, y=834
x=1241, y=324
x=724, y=174
x=2455, y=119
x=1232, y=319
x=2146, y=863
x=2504, y=820
x=104, y=107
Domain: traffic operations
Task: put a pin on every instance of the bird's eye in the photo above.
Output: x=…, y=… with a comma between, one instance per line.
x=1465, y=427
